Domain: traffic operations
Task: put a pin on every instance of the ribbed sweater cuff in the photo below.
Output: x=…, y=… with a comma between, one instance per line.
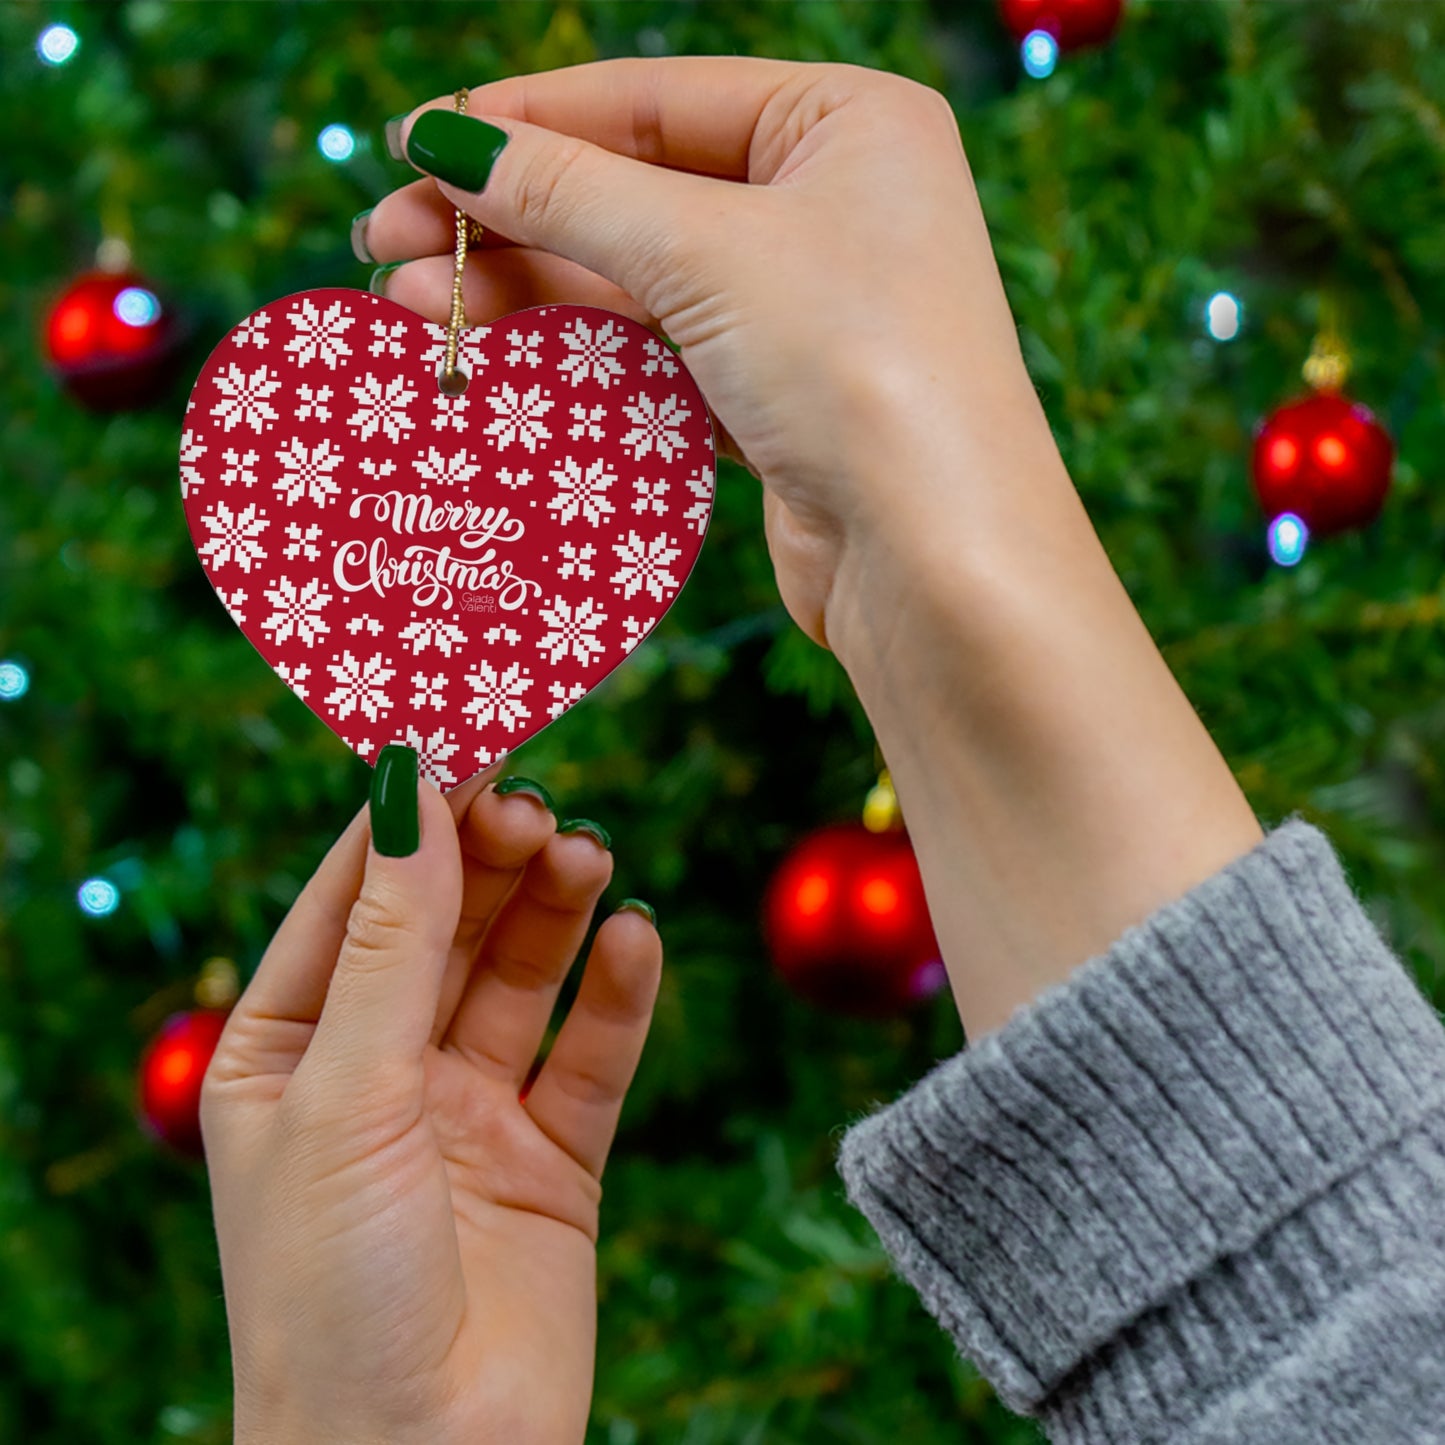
x=1130, y=1158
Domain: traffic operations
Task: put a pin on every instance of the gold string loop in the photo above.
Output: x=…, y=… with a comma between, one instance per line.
x=453, y=382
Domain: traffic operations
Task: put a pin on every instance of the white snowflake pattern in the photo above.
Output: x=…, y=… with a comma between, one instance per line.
x=365, y=748
x=573, y=630
x=192, y=450
x=252, y=331
x=649, y=494
x=308, y=472
x=367, y=621
x=451, y=412
x=233, y=536
x=501, y=632
x=486, y=757
x=701, y=487
x=243, y=398
x=233, y=601
x=581, y=493
x=564, y=697
x=593, y=352
x=576, y=561
x=524, y=348
x=586, y=421
x=239, y=467
x=377, y=471
x=302, y=544
x=636, y=631
x=298, y=611
x=430, y=691
x=313, y=402
x=436, y=467
x=646, y=564
x=519, y=418
x=360, y=685
x=294, y=677
x=505, y=477
x=387, y=338
x=432, y=754
x=382, y=406
x=656, y=427
x=498, y=695
x=319, y=334
x=658, y=357
x=436, y=632
x=470, y=356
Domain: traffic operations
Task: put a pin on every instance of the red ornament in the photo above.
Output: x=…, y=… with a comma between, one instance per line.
x=414, y=563
x=1324, y=458
x=1073, y=23
x=847, y=923
x=171, y=1071
x=111, y=341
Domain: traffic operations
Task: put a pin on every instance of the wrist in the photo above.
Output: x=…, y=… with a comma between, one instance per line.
x=1056, y=782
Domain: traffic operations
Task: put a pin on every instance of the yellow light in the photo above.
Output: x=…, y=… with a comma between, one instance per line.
x=1331, y=451
x=878, y=896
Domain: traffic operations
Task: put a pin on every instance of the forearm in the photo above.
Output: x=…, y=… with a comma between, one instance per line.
x=1056, y=782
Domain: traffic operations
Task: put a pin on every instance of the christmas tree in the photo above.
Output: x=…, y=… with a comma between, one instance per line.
x=1180, y=215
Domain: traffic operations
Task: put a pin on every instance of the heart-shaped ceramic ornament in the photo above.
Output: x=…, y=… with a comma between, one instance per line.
x=449, y=572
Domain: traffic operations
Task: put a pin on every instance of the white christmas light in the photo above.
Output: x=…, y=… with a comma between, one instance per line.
x=57, y=44
x=1223, y=316
x=98, y=897
x=1288, y=537
x=136, y=306
x=336, y=143
x=14, y=681
x=1040, y=52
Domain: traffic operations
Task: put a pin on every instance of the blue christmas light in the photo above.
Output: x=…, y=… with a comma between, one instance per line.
x=1288, y=537
x=336, y=143
x=136, y=306
x=1223, y=316
x=98, y=897
x=1040, y=52
x=14, y=681
x=57, y=44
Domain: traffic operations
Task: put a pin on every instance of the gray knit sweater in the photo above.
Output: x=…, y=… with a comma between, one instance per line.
x=1196, y=1192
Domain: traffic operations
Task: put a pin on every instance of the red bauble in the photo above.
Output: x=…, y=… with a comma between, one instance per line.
x=111, y=341
x=1073, y=23
x=171, y=1071
x=1324, y=458
x=847, y=923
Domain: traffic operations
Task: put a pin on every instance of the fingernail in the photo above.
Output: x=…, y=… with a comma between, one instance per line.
x=395, y=827
x=377, y=284
x=359, y=248
x=586, y=825
x=393, y=137
x=515, y=784
x=455, y=148
x=636, y=905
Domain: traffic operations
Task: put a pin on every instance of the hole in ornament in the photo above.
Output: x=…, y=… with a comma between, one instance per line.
x=452, y=383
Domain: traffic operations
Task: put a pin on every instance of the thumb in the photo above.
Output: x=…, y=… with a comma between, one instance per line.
x=633, y=223
x=382, y=999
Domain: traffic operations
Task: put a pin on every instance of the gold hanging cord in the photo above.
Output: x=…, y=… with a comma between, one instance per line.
x=451, y=381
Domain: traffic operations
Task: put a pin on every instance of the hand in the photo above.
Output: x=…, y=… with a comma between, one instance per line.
x=407, y=1248
x=846, y=294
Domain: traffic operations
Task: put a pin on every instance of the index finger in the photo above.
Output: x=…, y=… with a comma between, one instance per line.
x=698, y=113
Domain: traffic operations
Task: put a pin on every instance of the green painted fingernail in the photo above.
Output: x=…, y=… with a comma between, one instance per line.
x=586, y=825
x=455, y=148
x=377, y=284
x=636, y=905
x=516, y=784
x=359, y=248
x=395, y=826
x=393, y=136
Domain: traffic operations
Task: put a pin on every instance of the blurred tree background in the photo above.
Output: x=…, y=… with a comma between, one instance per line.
x=1290, y=154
